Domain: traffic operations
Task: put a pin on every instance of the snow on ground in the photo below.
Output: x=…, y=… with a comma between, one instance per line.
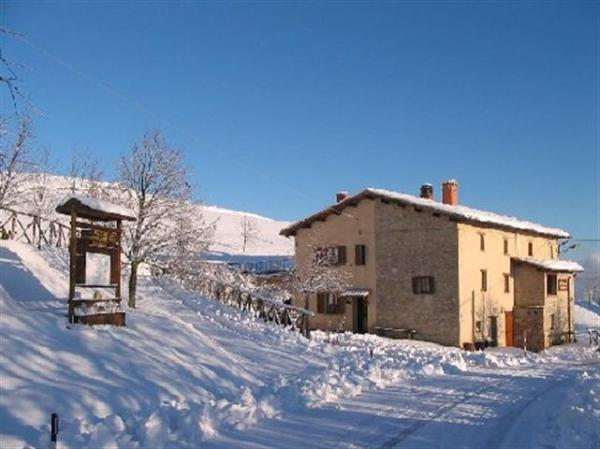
x=188, y=371
x=587, y=316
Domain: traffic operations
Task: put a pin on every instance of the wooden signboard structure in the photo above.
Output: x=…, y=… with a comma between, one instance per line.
x=96, y=227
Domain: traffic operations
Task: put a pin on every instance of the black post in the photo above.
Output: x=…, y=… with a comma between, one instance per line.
x=53, y=429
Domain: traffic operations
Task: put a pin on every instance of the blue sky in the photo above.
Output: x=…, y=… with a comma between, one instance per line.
x=278, y=105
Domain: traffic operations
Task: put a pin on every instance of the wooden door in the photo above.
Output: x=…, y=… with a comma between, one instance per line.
x=509, y=326
x=360, y=315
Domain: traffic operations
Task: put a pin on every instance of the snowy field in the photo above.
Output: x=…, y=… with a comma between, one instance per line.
x=188, y=372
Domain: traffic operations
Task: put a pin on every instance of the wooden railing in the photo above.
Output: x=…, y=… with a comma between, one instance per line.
x=261, y=307
x=594, y=337
x=32, y=229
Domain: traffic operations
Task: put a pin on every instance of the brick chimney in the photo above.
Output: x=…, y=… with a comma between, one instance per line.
x=341, y=196
x=427, y=191
x=450, y=192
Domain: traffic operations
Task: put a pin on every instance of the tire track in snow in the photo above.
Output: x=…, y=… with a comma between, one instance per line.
x=506, y=423
x=442, y=410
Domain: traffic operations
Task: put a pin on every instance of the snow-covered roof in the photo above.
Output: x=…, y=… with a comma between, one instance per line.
x=359, y=292
x=459, y=212
x=94, y=207
x=569, y=266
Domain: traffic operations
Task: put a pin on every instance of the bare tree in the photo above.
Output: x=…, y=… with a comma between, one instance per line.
x=15, y=159
x=8, y=71
x=155, y=186
x=559, y=324
x=249, y=231
x=319, y=274
x=488, y=307
x=40, y=194
x=190, y=241
x=87, y=175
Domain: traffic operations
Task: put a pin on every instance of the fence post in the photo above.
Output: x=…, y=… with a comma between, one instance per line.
x=53, y=430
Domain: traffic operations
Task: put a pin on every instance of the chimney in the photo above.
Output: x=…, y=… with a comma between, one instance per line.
x=341, y=196
x=450, y=192
x=427, y=191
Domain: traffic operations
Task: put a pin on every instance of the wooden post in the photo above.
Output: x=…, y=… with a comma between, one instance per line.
x=33, y=222
x=72, y=258
x=569, y=325
x=14, y=226
x=117, y=259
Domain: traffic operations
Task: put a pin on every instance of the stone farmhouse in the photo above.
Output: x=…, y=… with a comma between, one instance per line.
x=438, y=271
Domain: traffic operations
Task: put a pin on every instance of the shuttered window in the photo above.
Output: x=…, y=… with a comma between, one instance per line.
x=551, y=281
x=330, y=303
x=360, y=255
x=341, y=255
x=423, y=285
x=333, y=255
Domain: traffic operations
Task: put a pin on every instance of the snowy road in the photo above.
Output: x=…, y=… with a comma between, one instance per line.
x=511, y=408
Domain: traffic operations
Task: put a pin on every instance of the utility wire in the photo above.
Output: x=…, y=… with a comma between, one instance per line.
x=268, y=177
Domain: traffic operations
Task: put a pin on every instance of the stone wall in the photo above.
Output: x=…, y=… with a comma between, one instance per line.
x=412, y=242
x=531, y=321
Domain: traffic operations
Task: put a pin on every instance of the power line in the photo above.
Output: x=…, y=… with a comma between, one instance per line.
x=268, y=177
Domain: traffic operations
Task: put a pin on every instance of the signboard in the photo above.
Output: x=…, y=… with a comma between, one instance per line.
x=563, y=284
x=100, y=238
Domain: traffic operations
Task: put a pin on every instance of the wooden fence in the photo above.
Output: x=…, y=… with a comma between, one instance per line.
x=267, y=309
x=32, y=229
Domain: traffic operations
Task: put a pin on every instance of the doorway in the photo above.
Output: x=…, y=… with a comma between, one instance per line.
x=493, y=323
x=361, y=315
x=510, y=329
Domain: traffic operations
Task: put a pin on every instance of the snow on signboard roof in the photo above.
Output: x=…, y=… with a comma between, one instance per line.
x=460, y=212
x=552, y=265
x=98, y=205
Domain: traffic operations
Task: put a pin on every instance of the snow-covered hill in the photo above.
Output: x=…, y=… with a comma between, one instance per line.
x=587, y=316
x=228, y=240
x=188, y=372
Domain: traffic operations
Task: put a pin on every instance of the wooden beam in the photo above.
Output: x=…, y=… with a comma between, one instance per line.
x=72, y=256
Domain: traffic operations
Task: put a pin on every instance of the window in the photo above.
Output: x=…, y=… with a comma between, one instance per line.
x=530, y=249
x=551, y=251
x=423, y=284
x=478, y=328
x=482, y=242
x=484, y=280
x=360, y=255
x=333, y=255
x=330, y=303
x=552, y=322
x=506, y=283
x=551, y=284
x=505, y=246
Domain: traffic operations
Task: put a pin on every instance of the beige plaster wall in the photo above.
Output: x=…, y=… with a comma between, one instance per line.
x=476, y=305
x=354, y=226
